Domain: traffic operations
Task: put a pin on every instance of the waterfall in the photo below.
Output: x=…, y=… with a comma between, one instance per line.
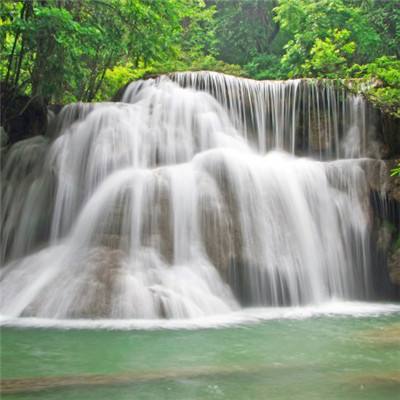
x=311, y=117
x=188, y=198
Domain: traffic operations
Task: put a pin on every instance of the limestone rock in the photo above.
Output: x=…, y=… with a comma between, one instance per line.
x=394, y=266
x=379, y=179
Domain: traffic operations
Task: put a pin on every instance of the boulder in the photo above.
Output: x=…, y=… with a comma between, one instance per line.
x=21, y=116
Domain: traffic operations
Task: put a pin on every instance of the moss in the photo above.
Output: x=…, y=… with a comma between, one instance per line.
x=381, y=83
x=396, y=244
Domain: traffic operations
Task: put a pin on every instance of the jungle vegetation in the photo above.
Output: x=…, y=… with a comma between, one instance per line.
x=59, y=51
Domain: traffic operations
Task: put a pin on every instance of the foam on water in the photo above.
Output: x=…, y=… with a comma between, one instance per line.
x=243, y=317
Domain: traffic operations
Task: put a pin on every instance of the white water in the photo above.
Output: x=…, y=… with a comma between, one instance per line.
x=332, y=309
x=166, y=205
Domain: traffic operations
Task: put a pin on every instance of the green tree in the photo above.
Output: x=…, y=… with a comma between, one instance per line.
x=59, y=50
x=384, y=17
x=248, y=35
x=318, y=30
x=329, y=57
x=69, y=50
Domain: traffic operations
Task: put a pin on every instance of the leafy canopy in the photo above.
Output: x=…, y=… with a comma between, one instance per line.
x=65, y=50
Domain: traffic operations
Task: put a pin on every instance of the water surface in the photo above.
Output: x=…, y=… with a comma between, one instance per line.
x=320, y=357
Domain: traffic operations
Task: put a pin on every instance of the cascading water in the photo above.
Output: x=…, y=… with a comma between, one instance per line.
x=167, y=204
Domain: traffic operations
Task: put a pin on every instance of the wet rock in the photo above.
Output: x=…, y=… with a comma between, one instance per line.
x=91, y=287
x=161, y=219
x=388, y=135
x=319, y=137
x=217, y=229
x=394, y=266
x=112, y=241
x=221, y=227
x=384, y=237
x=21, y=116
x=94, y=292
x=385, y=208
x=3, y=137
x=379, y=179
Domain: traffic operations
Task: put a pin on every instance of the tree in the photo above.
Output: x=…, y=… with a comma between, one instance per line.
x=329, y=56
x=60, y=50
x=384, y=18
x=324, y=31
x=248, y=35
x=81, y=50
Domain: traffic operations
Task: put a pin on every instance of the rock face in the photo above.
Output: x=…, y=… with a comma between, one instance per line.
x=21, y=116
x=388, y=129
x=394, y=266
x=379, y=179
x=95, y=279
x=385, y=214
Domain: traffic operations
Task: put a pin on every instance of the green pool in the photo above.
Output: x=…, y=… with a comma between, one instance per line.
x=287, y=357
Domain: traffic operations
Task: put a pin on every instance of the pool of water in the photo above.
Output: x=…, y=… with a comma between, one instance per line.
x=308, y=356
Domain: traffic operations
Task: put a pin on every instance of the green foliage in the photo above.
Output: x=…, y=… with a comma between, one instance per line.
x=385, y=72
x=395, y=172
x=120, y=75
x=386, y=69
x=329, y=56
x=65, y=50
x=316, y=38
x=384, y=18
x=245, y=29
x=325, y=36
x=265, y=66
x=116, y=78
x=198, y=30
x=247, y=35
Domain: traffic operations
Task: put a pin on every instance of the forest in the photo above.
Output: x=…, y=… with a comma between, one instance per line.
x=60, y=51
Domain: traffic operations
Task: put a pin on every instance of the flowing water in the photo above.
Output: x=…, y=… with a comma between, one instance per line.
x=184, y=206
x=188, y=199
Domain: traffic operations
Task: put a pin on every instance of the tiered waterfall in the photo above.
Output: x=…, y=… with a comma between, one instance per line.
x=196, y=194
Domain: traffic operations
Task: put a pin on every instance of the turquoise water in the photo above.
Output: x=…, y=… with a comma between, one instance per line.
x=324, y=357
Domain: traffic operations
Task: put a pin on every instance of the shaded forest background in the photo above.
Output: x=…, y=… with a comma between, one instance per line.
x=59, y=51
